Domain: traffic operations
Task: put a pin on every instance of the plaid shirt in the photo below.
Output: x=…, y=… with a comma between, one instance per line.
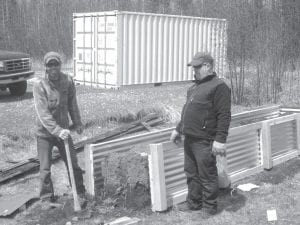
x=54, y=100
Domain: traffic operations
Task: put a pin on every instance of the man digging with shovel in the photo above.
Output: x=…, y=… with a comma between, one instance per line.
x=55, y=98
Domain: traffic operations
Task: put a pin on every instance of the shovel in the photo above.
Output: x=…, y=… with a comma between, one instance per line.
x=77, y=206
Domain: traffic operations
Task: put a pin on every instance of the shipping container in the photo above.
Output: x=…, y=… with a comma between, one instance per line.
x=116, y=48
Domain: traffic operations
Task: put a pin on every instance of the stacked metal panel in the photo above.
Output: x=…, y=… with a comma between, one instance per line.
x=112, y=49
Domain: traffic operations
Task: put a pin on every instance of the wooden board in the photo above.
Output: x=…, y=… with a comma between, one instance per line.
x=10, y=204
x=157, y=178
x=266, y=145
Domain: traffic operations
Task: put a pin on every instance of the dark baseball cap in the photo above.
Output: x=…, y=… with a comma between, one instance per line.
x=200, y=58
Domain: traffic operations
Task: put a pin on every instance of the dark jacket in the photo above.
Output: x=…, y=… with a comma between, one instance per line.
x=207, y=111
x=53, y=101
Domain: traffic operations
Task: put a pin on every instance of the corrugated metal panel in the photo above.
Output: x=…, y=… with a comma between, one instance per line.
x=161, y=46
x=283, y=137
x=174, y=174
x=139, y=48
x=100, y=151
x=255, y=115
x=243, y=150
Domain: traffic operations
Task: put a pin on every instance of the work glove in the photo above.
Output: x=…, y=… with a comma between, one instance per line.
x=219, y=148
x=79, y=129
x=64, y=134
x=175, y=137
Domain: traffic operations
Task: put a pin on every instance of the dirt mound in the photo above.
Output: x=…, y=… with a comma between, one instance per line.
x=126, y=180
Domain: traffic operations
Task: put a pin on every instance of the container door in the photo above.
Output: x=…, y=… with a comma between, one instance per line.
x=106, y=42
x=84, y=50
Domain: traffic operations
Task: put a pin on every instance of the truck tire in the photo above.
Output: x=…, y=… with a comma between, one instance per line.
x=18, y=88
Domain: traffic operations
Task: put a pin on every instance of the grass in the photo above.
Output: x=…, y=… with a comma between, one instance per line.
x=103, y=110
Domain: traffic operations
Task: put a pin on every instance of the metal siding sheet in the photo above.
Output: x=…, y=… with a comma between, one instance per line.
x=211, y=33
x=164, y=62
x=176, y=50
x=160, y=47
x=130, y=46
x=224, y=43
x=137, y=49
x=142, y=69
x=205, y=36
x=175, y=185
x=283, y=137
x=170, y=43
x=175, y=178
x=149, y=50
x=215, y=46
x=194, y=48
x=175, y=190
x=181, y=50
x=74, y=48
x=218, y=48
x=174, y=159
x=188, y=41
x=174, y=173
x=243, y=151
x=154, y=50
x=125, y=58
x=136, y=44
x=179, y=169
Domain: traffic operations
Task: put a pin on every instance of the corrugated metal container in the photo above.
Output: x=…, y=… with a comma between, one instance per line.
x=112, y=49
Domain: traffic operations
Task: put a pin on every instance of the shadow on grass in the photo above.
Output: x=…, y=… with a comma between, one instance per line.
x=7, y=97
x=281, y=172
x=230, y=200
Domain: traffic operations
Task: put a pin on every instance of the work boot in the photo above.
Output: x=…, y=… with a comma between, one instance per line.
x=185, y=207
x=210, y=211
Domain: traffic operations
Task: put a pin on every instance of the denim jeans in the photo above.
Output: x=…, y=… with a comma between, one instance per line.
x=44, y=148
x=202, y=174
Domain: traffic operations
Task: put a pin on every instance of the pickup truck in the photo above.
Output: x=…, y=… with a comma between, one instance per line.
x=15, y=70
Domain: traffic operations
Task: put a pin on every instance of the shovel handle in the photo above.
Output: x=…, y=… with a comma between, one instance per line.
x=77, y=206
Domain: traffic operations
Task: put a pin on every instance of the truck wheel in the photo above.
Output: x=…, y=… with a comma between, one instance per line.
x=18, y=88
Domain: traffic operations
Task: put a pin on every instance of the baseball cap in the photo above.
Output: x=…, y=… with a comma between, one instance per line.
x=200, y=58
x=52, y=56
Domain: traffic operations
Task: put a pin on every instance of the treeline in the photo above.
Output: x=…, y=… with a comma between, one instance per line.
x=263, y=35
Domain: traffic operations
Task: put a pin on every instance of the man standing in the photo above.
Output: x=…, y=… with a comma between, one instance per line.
x=55, y=98
x=205, y=121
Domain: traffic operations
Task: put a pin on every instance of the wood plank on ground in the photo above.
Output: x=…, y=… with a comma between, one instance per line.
x=9, y=204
